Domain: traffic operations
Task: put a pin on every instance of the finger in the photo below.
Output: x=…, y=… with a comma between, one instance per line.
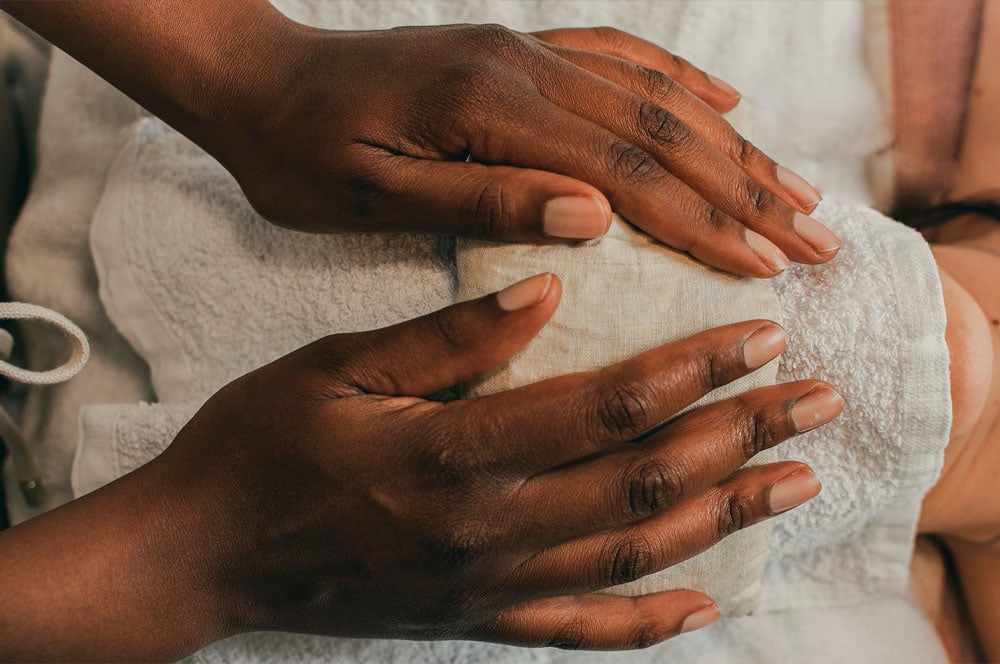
x=634, y=182
x=678, y=533
x=602, y=622
x=669, y=92
x=682, y=460
x=695, y=161
x=474, y=200
x=712, y=90
x=444, y=348
x=566, y=418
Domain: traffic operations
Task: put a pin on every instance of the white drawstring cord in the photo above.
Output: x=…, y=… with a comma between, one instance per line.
x=28, y=476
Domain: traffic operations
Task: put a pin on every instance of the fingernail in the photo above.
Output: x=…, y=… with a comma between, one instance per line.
x=725, y=87
x=525, y=293
x=767, y=251
x=763, y=346
x=796, y=185
x=576, y=217
x=816, y=408
x=792, y=490
x=701, y=618
x=818, y=236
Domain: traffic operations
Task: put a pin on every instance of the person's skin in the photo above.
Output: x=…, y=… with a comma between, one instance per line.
x=962, y=506
x=323, y=494
x=337, y=131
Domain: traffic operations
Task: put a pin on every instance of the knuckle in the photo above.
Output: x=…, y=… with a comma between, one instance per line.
x=631, y=559
x=624, y=409
x=445, y=465
x=758, y=431
x=612, y=38
x=744, y=151
x=735, y=513
x=460, y=548
x=651, y=487
x=633, y=164
x=664, y=127
x=655, y=83
x=498, y=38
x=718, y=368
x=449, y=326
x=716, y=219
x=491, y=212
x=760, y=200
x=644, y=636
x=571, y=636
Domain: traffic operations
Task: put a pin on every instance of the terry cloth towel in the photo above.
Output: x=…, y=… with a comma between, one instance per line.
x=218, y=291
x=622, y=295
x=825, y=135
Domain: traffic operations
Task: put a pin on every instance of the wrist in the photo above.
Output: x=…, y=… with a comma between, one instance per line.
x=239, y=75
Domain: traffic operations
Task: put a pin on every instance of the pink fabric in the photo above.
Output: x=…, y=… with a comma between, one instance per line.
x=934, y=46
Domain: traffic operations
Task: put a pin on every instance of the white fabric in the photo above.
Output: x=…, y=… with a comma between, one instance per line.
x=624, y=294
x=79, y=347
x=822, y=120
x=49, y=264
x=851, y=322
x=22, y=458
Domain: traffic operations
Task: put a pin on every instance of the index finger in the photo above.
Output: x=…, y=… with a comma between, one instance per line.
x=563, y=419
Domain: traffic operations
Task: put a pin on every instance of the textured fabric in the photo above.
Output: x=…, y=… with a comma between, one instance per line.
x=622, y=295
x=73, y=336
x=872, y=323
x=22, y=458
x=825, y=134
x=49, y=264
x=874, y=328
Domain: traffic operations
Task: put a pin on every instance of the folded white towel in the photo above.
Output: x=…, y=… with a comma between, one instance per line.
x=825, y=132
x=624, y=294
x=217, y=292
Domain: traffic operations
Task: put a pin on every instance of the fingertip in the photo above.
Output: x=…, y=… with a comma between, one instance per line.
x=576, y=217
x=554, y=293
x=763, y=345
x=817, y=407
x=700, y=619
x=525, y=293
x=773, y=258
x=731, y=94
x=797, y=487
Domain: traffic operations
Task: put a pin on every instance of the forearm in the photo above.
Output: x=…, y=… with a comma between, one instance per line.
x=109, y=577
x=196, y=65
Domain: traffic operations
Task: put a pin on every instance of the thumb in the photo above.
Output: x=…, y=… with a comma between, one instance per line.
x=450, y=346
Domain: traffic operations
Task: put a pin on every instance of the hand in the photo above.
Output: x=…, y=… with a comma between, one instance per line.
x=370, y=132
x=322, y=493
x=329, y=497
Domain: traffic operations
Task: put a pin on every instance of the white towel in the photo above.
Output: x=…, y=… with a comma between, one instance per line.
x=249, y=292
x=852, y=322
x=822, y=120
x=624, y=294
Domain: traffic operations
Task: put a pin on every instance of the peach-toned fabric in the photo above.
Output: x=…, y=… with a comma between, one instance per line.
x=933, y=56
